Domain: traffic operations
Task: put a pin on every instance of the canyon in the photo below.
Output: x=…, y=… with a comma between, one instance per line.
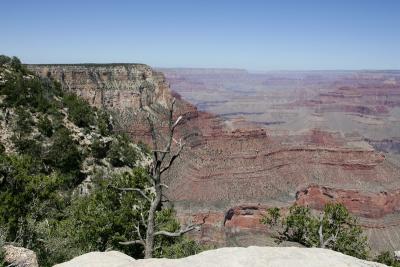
x=260, y=140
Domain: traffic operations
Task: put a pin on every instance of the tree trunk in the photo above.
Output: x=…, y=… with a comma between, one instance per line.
x=149, y=244
x=321, y=236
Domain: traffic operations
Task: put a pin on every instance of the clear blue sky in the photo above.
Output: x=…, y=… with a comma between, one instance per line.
x=257, y=35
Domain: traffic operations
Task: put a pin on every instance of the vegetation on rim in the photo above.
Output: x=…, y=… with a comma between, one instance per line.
x=333, y=228
x=54, y=149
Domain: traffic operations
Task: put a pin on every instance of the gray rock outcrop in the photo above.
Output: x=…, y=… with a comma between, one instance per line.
x=230, y=257
x=20, y=257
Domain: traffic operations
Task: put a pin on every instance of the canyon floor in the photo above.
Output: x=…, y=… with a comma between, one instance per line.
x=258, y=140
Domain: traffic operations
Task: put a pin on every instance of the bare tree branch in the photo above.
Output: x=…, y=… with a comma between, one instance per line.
x=137, y=227
x=166, y=186
x=172, y=127
x=153, y=136
x=127, y=243
x=332, y=238
x=165, y=139
x=142, y=217
x=129, y=189
x=171, y=161
x=321, y=236
x=177, y=122
x=161, y=151
x=182, y=231
x=175, y=234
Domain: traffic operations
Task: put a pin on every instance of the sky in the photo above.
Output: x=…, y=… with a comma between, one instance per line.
x=250, y=34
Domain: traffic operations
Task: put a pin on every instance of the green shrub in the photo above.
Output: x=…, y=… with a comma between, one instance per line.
x=175, y=247
x=387, y=258
x=79, y=110
x=4, y=60
x=2, y=148
x=301, y=226
x=24, y=122
x=42, y=98
x=27, y=146
x=29, y=93
x=104, y=123
x=2, y=261
x=272, y=217
x=122, y=152
x=57, y=122
x=45, y=126
x=183, y=247
x=2, y=241
x=16, y=63
x=25, y=193
x=99, y=148
x=98, y=221
x=339, y=228
x=144, y=148
x=104, y=218
x=63, y=153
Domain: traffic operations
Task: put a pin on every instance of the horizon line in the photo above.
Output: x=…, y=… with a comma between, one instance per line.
x=215, y=68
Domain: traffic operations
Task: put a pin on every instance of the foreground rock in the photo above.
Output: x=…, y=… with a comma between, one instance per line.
x=20, y=257
x=109, y=259
x=229, y=257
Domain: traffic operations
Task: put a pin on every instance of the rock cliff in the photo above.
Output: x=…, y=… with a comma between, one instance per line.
x=118, y=86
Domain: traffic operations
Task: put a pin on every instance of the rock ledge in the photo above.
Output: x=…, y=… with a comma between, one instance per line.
x=229, y=257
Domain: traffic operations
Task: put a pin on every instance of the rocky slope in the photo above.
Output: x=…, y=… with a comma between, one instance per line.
x=54, y=149
x=230, y=257
x=237, y=168
x=32, y=130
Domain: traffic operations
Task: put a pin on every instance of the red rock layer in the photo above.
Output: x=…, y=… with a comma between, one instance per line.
x=365, y=204
x=362, y=100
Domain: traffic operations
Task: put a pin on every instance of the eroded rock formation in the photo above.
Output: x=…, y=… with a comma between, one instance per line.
x=364, y=204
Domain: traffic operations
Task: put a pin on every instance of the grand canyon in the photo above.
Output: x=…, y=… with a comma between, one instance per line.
x=264, y=139
x=200, y=133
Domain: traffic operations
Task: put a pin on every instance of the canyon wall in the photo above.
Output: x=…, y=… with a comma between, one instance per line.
x=234, y=169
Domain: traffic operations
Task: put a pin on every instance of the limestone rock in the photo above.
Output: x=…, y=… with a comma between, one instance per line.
x=230, y=257
x=99, y=259
x=20, y=257
x=397, y=254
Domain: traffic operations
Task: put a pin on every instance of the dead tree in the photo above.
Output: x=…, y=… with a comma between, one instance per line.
x=332, y=239
x=164, y=153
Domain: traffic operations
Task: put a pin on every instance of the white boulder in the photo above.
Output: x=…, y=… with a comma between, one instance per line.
x=230, y=257
x=19, y=257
